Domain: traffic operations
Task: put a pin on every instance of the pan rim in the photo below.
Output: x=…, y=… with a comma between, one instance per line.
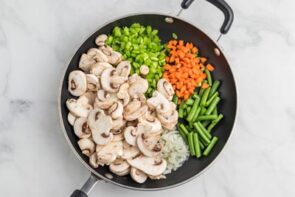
x=99, y=176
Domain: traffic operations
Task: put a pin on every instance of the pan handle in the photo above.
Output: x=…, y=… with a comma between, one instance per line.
x=223, y=6
x=86, y=188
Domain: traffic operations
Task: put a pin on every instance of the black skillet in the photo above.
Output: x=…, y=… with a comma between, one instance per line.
x=185, y=31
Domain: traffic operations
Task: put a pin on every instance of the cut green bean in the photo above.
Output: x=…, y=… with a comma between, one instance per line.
x=207, y=117
x=215, y=112
x=206, y=123
x=191, y=144
x=183, y=128
x=205, y=97
x=175, y=100
x=184, y=137
x=202, y=146
x=201, y=91
x=209, y=78
x=212, y=106
x=194, y=110
x=210, y=99
x=189, y=101
x=202, y=134
x=180, y=112
x=208, y=135
x=203, y=111
x=197, y=145
x=214, y=88
x=214, y=123
x=196, y=114
x=210, y=146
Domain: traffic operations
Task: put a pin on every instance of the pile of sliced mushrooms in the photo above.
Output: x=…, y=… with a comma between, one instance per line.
x=116, y=124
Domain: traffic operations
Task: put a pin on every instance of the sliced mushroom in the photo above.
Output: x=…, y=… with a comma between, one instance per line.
x=136, y=114
x=123, y=69
x=123, y=93
x=151, y=121
x=129, y=151
x=159, y=102
x=78, y=108
x=132, y=123
x=149, y=147
x=107, y=50
x=130, y=134
x=88, y=98
x=120, y=167
x=165, y=88
x=116, y=110
x=104, y=99
x=137, y=175
x=97, y=55
x=71, y=118
x=100, y=40
x=93, y=161
x=87, y=146
x=138, y=85
x=99, y=67
x=168, y=120
x=149, y=165
x=92, y=82
x=157, y=177
x=132, y=106
x=106, y=80
x=115, y=58
x=118, y=124
x=144, y=70
x=110, y=152
x=81, y=128
x=77, y=83
x=86, y=62
x=118, y=135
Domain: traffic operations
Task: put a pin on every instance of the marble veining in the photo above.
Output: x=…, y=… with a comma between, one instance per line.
x=38, y=39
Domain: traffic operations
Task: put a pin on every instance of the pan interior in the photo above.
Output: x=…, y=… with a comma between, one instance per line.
x=189, y=33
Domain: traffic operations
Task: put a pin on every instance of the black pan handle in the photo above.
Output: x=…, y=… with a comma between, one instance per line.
x=86, y=188
x=223, y=6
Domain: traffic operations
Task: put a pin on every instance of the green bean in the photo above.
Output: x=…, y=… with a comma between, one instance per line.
x=214, y=123
x=203, y=110
x=194, y=110
x=215, y=112
x=183, y=128
x=201, y=91
x=214, y=88
x=209, y=78
x=195, y=95
x=207, y=117
x=202, y=146
x=196, y=145
x=202, y=134
x=209, y=101
x=183, y=136
x=191, y=143
x=175, y=100
x=180, y=112
x=212, y=105
x=174, y=35
x=206, y=123
x=188, y=109
x=208, y=135
x=205, y=97
x=210, y=146
x=189, y=101
x=196, y=114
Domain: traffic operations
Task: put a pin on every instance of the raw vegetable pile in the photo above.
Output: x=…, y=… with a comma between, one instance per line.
x=130, y=94
x=141, y=46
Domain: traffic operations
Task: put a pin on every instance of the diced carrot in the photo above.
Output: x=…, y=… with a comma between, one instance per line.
x=210, y=67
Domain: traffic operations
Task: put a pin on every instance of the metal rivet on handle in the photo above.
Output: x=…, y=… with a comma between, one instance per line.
x=217, y=51
x=169, y=20
x=109, y=176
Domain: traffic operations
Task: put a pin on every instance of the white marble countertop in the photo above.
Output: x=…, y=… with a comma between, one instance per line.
x=39, y=37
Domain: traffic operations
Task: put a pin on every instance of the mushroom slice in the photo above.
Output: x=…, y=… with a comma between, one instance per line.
x=137, y=175
x=149, y=147
x=116, y=110
x=71, y=118
x=133, y=106
x=110, y=152
x=87, y=146
x=135, y=115
x=165, y=88
x=123, y=93
x=123, y=69
x=97, y=55
x=81, y=128
x=104, y=99
x=77, y=83
x=129, y=151
x=93, y=160
x=107, y=50
x=168, y=120
x=106, y=80
x=157, y=177
x=118, y=135
x=115, y=58
x=130, y=134
x=86, y=62
x=88, y=98
x=92, y=82
x=149, y=165
x=99, y=67
x=120, y=167
x=78, y=108
x=159, y=102
x=151, y=121
x=100, y=40
x=118, y=124
x=138, y=85
x=144, y=70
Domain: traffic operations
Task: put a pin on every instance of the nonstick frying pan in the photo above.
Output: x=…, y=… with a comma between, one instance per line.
x=208, y=48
